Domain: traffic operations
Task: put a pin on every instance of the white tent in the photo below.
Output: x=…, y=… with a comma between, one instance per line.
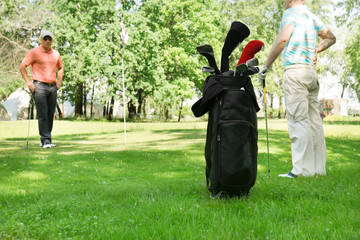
x=16, y=105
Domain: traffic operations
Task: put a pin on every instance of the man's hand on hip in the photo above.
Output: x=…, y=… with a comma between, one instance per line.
x=31, y=86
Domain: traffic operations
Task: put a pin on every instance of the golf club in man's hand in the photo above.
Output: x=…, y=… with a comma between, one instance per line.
x=262, y=75
x=29, y=113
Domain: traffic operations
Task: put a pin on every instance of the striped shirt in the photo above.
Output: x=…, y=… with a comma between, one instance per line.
x=302, y=43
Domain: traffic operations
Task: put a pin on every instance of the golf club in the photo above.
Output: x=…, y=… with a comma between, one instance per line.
x=207, y=51
x=237, y=33
x=240, y=69
x=207, y=69
x=250, y=50
x=267, y=132
x=30, y=111
x=248, y=68
x=251, y=71
x=252, y=62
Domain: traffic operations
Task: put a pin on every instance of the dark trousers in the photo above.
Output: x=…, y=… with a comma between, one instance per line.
x=45, y=99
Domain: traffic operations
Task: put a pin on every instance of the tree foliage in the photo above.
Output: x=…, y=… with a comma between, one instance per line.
x=20, y=22
x=350, y=19
x=161, y=65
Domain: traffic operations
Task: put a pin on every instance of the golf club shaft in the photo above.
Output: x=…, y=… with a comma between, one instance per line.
x=266, y=123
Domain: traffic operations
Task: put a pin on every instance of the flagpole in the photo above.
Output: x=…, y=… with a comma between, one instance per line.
x=124, y=39
x=123, y=86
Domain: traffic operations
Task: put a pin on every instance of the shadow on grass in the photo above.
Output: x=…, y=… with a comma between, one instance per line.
x=94, y=160
x=279, y=143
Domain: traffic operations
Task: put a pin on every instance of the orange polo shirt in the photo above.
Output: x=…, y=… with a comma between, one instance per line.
x=43, y=64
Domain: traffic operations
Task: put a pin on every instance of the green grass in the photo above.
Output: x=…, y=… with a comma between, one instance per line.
x=96, y=186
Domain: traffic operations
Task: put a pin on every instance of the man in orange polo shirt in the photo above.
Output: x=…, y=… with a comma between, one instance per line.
x=46, y=66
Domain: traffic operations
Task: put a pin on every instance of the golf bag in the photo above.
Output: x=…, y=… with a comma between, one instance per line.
x=232, y=135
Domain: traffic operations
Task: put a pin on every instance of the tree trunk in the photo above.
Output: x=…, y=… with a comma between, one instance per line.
x=79, y=99
x=138, y=112
x=92, y=100
x=111, y=109
x=84, y=95
x=342, y=90
x=280, y=107
x=107, y=104
x=181, y=107
x=148, y=110
x=131, y=109
x=61, y=115
x=140, y=100
x=167, y=115
x=144, y=108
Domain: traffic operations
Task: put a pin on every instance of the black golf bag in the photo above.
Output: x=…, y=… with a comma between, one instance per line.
x=231, y=141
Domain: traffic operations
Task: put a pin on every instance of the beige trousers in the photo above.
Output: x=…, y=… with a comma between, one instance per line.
x=308, y=148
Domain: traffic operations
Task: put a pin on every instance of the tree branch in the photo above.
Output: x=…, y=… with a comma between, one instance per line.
x=14, y=43
x=12, y=72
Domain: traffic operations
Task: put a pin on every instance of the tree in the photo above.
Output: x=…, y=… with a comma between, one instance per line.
x=350, y=18
x=144, y=72
x=161, y=57
x=20, y=25
x=90, y=42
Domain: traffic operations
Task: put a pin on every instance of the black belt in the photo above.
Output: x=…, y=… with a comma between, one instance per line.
x=48, y=84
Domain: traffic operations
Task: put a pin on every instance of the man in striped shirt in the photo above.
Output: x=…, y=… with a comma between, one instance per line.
x=297, y=40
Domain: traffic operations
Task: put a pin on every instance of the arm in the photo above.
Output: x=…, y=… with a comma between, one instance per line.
x=279, y=44
x=328, y=39
x=25, y=76
x=60, y=76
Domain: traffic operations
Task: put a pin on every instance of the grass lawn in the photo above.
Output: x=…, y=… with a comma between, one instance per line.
x=93, y=185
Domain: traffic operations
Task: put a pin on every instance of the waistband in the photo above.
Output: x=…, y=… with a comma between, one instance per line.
x=44, y=83
x=299, y=66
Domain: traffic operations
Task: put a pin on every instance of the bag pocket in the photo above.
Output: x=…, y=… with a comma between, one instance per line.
x=235, y=141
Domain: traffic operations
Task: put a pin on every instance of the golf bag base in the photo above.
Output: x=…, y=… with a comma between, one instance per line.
x=231, y=140
x=224, y=195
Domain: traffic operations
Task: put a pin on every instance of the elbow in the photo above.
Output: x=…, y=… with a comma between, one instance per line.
x=22, y=67
x=282, y=43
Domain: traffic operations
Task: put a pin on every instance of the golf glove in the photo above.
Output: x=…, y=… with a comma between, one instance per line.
x=262, y=73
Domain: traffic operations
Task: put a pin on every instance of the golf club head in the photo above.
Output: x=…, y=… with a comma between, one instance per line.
x=252, y=62
x=207, y=51
x=205, y=48
x=237, y=33
x=250, y=50
x=251, y=71
x=240, y=69
x=207, y=69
